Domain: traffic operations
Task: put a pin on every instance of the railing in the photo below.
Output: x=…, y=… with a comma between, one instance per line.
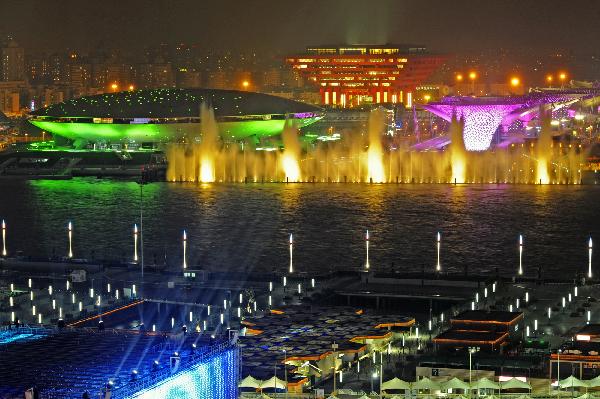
x=349, y=394
x=164, y=374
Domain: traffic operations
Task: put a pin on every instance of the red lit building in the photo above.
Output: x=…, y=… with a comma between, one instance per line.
x=354, y=74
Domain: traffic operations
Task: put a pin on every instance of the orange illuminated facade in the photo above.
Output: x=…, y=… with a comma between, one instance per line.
x=354, y=74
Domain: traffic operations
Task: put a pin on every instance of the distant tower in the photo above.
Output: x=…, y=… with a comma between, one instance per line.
x=12, y=61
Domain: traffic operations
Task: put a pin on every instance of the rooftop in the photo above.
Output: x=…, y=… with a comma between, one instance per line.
x=487, y=317
x=171, y=103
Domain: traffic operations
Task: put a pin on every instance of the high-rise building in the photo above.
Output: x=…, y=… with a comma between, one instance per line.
x=12, y=61
x=352, y=74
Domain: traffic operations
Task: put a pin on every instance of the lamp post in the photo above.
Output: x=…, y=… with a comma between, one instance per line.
x=471, y=350
x=184, y=250
x=590, y=258
x=558, y=371
x=135, y=243
x=472, y=77
x=438, y=267
x=291, y=253
x=367, y=248
x=3, y=238
x=70, y=229
x=562, y=77
x=334, y=346
x=285, y=371
x=520, y=254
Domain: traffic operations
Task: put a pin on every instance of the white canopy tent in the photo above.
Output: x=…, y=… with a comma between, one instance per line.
x=515, y=383
x=485, y=383
x=426, y=383
x=273, y=382
x=594, y=382
x=250, y=382
x=455, y=383
x=572, y=382
x=395, y=383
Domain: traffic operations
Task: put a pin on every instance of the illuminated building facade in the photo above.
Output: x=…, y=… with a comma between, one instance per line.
x=214, y=378
x=354, y=74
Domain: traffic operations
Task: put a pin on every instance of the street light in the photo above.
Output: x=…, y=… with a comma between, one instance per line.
x=549, y=79
x=334, y=346
x=471, y=350
x=562, y=77
x=515, y=81
x=472, y=77
x=459, y=77
x=285, y=371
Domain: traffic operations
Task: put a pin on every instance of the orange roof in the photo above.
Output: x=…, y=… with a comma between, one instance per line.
x=396, y=324
x=363, y=337
x=105, y=313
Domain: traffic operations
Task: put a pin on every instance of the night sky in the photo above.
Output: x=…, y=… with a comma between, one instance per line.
x=454, y=26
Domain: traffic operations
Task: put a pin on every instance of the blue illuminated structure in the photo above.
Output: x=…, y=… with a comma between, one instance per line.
x=210, y=375
x=21, y=334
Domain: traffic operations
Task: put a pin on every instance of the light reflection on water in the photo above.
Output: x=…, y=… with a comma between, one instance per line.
x=246, y=227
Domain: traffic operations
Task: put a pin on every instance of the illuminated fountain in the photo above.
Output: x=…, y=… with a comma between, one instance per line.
x=474, y=149
x=543, y=152
x=208, y=147
x=291, y=153
x=375, y=151
x=458, y=152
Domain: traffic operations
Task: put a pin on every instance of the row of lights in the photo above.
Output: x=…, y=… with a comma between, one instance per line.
x=514, y=81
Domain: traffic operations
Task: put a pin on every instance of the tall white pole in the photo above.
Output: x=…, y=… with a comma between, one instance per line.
x=520, y=254
x=367, y=247
x=438, y=267
x=184, y=249
x=3, y=238
x=70, y=227
x=291, y=253
x=135, y=240
x=590, y=258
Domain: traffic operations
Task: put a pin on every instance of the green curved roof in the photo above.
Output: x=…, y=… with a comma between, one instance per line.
x=166, y=103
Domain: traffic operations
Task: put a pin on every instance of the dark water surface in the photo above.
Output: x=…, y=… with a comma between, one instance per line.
x=246, y=227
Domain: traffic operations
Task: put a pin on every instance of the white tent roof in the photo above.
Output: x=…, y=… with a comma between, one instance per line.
x=273, y=382
x=515, y=383
x=485, y=383
x=571, y=382
x=250, y=382
x=395, y=383
x=425, y=383
x=455, y=383
x=587, y=395
x=594, y=382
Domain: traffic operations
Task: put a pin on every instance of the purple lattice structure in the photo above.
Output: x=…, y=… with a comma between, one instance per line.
x=482, y=116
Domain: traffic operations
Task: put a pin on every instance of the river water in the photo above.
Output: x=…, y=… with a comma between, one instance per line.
x=246, y=227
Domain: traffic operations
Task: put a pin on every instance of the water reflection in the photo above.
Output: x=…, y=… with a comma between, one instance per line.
x=247, y=226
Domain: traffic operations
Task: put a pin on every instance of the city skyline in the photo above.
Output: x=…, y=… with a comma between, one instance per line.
x=463, y=26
